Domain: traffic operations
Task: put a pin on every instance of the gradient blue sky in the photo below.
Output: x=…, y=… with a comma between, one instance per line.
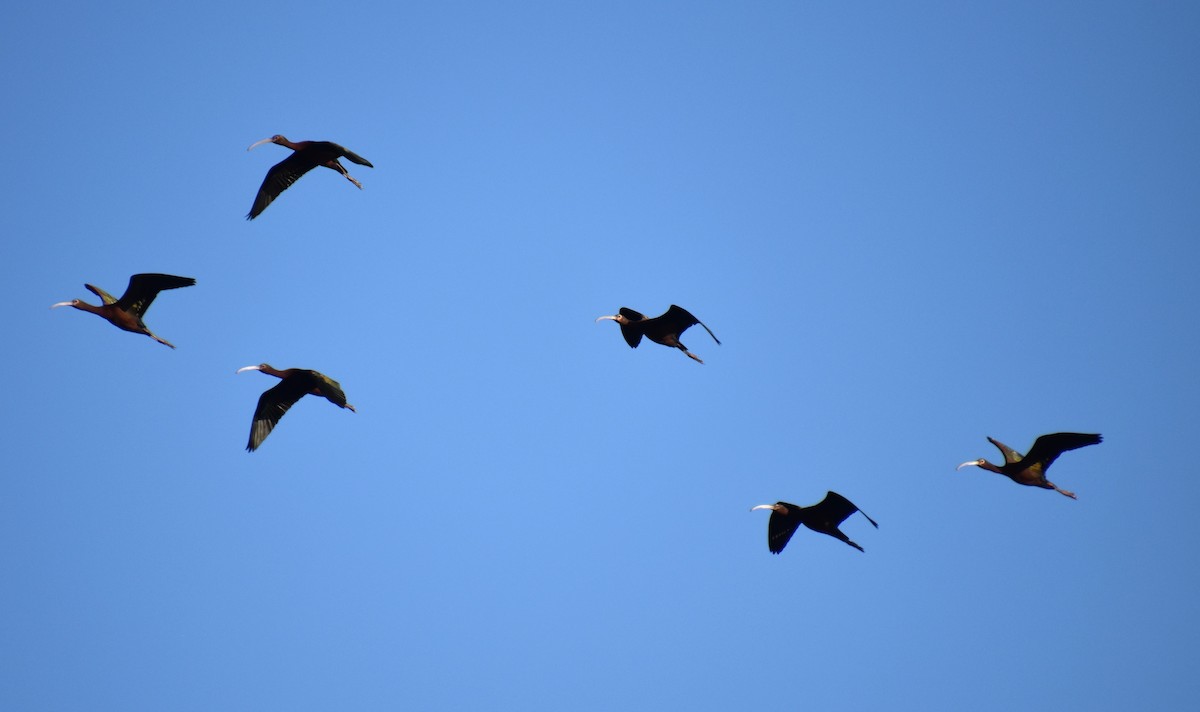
x=911, y=225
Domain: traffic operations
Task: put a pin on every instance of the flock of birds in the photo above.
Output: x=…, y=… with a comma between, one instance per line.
x=825, y=517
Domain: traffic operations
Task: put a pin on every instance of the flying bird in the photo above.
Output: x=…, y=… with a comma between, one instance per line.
x=127, y=312
x=663, y=329
x=1031, y=469
x=275, y=401
x=306, y=156
x=823, y=517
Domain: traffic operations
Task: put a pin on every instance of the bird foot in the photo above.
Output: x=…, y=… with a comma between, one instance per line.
x=354, y=182
x=694, y=357
x=1065, y=493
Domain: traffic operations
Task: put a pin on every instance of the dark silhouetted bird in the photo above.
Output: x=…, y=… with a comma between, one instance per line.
x=1031, y=469
x=306, y=156
x=274, y=402
x=664, y=329
x=823, y=517
x=127, y=312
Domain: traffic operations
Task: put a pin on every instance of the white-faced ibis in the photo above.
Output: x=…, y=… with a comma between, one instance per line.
x=663, y=329
x=127, y=312
x=823, y=517
x=306, y=156
x=1031, y=469
x=274, y=402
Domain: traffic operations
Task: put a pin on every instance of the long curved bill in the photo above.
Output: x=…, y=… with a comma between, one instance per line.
x=602, y=318
x=972, y=463
x=771, y=507
x=61, y=304
x=248, y=368
x=259, y=143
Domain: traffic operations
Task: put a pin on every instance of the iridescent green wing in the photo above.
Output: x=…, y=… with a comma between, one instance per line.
x=331, y=389
x=104, y=296
x=1010, y=455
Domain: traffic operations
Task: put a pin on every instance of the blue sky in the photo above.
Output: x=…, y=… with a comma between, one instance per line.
x=912, y=227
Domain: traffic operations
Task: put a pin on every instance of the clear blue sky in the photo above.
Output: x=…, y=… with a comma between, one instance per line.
x=911, y=226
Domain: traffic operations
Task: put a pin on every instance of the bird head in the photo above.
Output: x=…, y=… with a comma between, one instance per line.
x=973, y=463
x=72, y=303
x=259, y=367
x=619, y=318
x=277, y=138
x=773, y=507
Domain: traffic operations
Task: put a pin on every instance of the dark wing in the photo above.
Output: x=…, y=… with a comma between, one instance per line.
x=781, y=527
x=274, y=402
x=1010, y=455
x=326, y=151
x=835, y=508
x=280, y=178
x=143, y=288
x=677, y=320
x=632, y=332
x=351, y=155
x=331, y=389
x=1047, y=448
x=104, y=296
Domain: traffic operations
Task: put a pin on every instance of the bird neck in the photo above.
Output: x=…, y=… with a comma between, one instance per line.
x=990, y=467
x=92, y=308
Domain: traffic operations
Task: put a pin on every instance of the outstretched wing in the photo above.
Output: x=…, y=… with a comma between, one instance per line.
x=331, y=389
x=280, y=178
x=351, y=155
x=1010, y=455
x=105, y=297
x=1047, y=448
x=678, y=319
x=782, y=526
x=632, y=332
x=143, y=288
x=835, y=508
x=276, y=401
